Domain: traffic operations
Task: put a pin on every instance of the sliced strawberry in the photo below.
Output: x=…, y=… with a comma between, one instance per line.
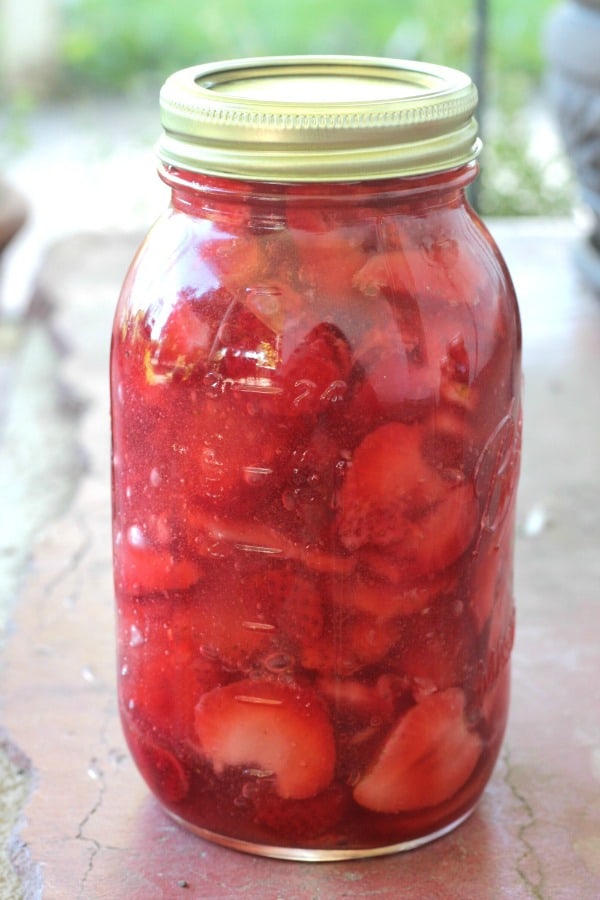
x=396, y=271
x=275, y=304
x=438, y=648
x=303, y=819
x=445, y=334
x=141, y=568
x=448, y=443
x=181, y=344
x=249, y=536
x=430, y=544
x=161, y=769
x=246, y=351
x=328, y=261
x=225, y=449
x=393, y=386
x=441, y=270
x=236, y=261
x=358, y=701
x=387, y=601
x=349, y=645
x=370, y=639
x=300, y=614
x=278, y=729
x=387, y=480
x=311, y=482
x=426, y=759
x=397, y=275
x=392, y=498
x=162, y=671
x=315, y=375
x=235, y=627
x=455, y=381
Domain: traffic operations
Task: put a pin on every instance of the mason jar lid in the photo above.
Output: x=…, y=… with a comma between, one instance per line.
x=318, y=118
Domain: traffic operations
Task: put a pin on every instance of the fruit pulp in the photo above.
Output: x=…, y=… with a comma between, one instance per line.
x=316, y=429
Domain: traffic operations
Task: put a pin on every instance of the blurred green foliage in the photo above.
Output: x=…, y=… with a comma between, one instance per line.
x=115, y=46
x=110, y=44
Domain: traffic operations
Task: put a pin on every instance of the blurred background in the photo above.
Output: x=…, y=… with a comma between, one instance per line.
x=80, y=82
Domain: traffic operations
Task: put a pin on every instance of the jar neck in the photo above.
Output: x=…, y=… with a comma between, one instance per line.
x=192, y=190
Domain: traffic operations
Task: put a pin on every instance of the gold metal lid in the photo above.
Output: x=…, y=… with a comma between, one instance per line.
x=318, y=118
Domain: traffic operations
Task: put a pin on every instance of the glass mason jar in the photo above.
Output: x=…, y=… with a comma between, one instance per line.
x=316, y=431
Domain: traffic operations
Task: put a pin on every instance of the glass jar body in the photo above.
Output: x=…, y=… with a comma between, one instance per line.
x=316, y=433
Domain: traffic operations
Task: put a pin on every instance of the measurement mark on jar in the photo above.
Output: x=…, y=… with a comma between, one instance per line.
x=254, y=385
x=255, y=474
x=257, y=548
x=335, y=392
x=258, y=626
x=307, y=388
x=261, y=701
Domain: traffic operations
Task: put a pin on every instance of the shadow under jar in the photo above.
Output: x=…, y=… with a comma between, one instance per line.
x=316, y=433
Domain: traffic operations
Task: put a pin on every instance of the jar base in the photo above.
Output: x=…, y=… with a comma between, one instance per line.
x=315, y=854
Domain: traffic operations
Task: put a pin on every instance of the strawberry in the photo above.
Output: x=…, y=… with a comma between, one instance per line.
x=386, y=481
x=300, y=613
x=182, y=343
x=394, y=271
x=393, y=386
x=440, y=271
x=315, y=375
x=275, y=304
x=312, y=479
x=161, y=769
x=358, y=701
x=141, y=568
x=250, y=536
x=438, y=648
x=448, y=443
x=246, y=350
x=235, y=261
x=275, y=728
x=430, y=544
x=426, y=758
x=328, y=261
x=234, y=624
x=385, y=601
x=392, y=498
x=163, y=673
x=307, y=819
x=349, y=645
x=224, y=449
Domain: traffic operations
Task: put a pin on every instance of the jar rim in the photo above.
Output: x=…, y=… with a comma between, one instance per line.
x=318, y=118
